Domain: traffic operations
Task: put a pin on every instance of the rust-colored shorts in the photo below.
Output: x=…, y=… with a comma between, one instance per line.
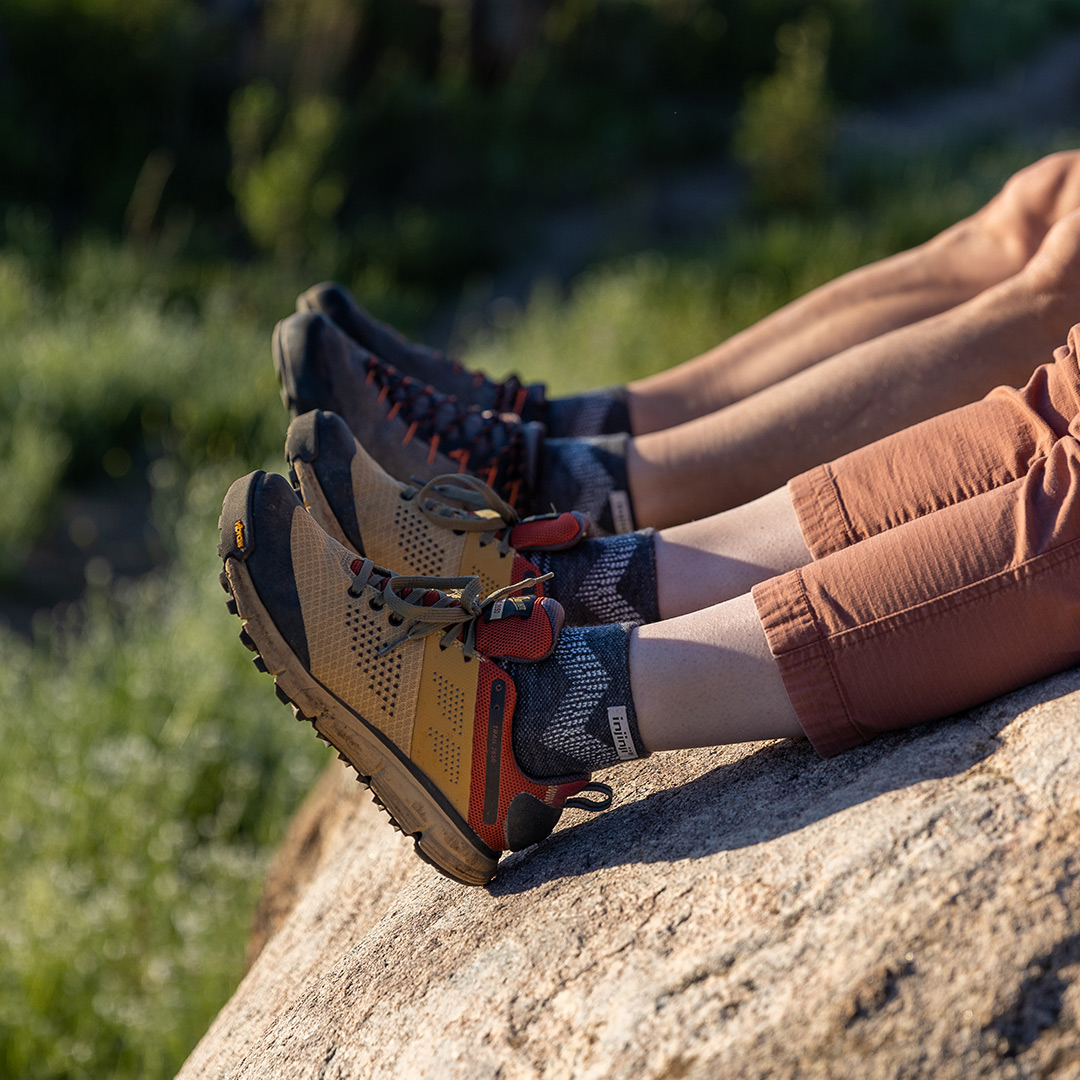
x=946, y=564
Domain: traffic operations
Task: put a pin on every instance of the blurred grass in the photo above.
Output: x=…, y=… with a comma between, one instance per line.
x=143, y=781
x=147, y=769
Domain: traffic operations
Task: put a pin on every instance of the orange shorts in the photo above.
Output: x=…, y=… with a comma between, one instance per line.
x=946, y=564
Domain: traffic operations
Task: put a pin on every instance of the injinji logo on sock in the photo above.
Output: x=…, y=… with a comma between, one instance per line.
x=620, y=733
x=621, y=514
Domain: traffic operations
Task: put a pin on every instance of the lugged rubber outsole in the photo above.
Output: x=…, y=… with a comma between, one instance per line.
x=437, y=838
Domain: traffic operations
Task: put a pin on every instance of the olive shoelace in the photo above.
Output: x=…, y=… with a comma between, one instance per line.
x=463, y=503
x=430, y=605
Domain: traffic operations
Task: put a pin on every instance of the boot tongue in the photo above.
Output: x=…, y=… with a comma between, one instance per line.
x=551, y=532
x=534, y=434
x=521, y=628
x=511, y=607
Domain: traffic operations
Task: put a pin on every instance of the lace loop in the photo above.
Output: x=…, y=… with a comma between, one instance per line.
x=594, y=805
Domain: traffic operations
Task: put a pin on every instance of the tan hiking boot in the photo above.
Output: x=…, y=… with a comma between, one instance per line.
x=398, y=674
x=451, y=526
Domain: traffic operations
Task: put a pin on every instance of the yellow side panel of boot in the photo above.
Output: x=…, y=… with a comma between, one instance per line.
x=443, y=729
x=485, y=562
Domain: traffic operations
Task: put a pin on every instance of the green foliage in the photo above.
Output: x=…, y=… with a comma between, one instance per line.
x=783, y=129
x=283, y=194
x=421, y=138
x=146, y=772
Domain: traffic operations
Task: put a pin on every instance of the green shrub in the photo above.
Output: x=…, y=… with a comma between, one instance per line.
x=784, y=127
x=283, y=194
x=146, y=773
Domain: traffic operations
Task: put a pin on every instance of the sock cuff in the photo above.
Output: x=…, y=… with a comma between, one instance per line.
x=595, y=412
x=608, y=579
x=621, y=714
x=587, y=475
x=575, y=711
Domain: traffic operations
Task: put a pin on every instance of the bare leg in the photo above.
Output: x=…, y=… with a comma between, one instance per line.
x=709, y=561
x=708, y=678
x=711, y=647
x=971, y=256
x=861, y=394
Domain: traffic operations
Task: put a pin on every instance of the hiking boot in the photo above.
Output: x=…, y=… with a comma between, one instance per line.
x=418, y=361
x=597, y=412
x=451, y=526
x=416, y=432
x=411, y=429
x=398, y=674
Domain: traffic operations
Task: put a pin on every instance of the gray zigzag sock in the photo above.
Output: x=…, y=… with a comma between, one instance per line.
x=587, y=475
x=598, y=412
x=575, y=712
x=607, y=580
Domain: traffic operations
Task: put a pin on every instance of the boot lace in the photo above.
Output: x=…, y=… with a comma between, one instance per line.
x=508, y=395
x=482, y=441
x=463, y=503
x=431, y=605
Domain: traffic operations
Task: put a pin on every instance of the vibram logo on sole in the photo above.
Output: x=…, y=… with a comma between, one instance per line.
x=238, y=529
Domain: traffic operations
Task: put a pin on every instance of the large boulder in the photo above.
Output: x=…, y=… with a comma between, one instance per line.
x=908, y=909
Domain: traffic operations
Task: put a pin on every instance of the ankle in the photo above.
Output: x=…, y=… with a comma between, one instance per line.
x=575, y=711
x=609, y=579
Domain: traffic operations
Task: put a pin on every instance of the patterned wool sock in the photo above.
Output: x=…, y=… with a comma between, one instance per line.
x=598, y=412
x=587, y=475
x=607, y=580
x=575, y=713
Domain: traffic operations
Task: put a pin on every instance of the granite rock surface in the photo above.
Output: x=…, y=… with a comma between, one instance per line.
x=908, y=909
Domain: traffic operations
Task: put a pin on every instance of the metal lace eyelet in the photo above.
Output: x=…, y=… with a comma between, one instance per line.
x=394, y=619
x=354, y=595
x=375, y=604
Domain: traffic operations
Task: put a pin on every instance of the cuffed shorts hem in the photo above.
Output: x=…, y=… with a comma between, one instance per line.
x=805, y=663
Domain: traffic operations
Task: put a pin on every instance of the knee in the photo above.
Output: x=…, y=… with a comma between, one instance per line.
x=1034, y=200
x=1053, y=270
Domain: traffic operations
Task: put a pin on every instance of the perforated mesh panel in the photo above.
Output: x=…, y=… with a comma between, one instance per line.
x=396, y=534
x=416, y=547
x=451, y=702
x=447, y=752
x=474, y=566
x=446, y=736
x=344, y=634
